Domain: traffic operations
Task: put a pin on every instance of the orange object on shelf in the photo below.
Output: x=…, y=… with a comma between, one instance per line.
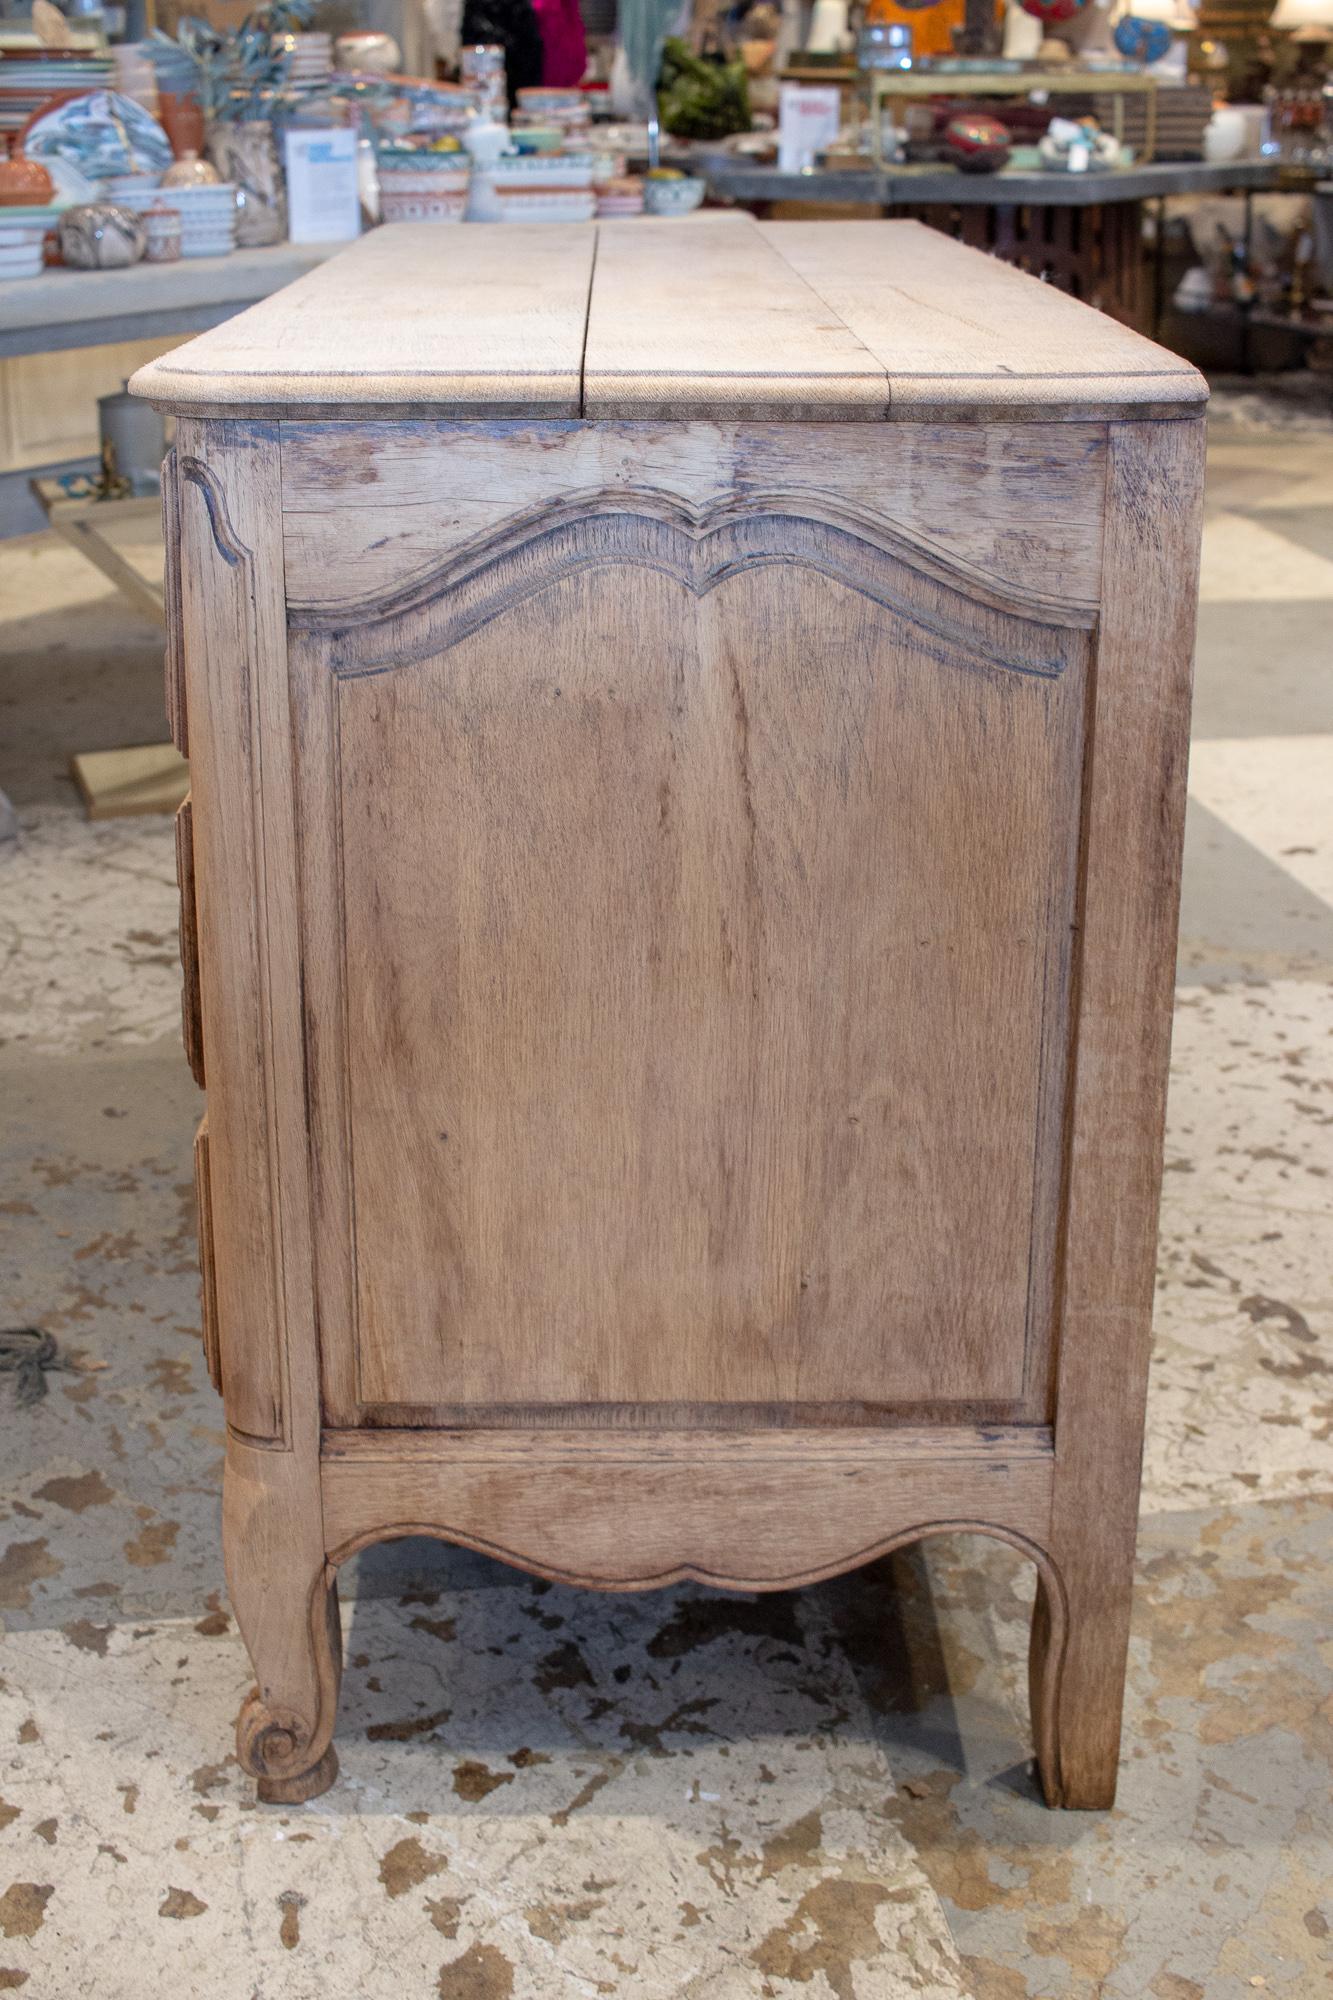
x=932, y=25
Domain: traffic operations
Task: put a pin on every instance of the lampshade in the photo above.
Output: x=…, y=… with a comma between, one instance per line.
x=1177, y=14
x=1307, y=20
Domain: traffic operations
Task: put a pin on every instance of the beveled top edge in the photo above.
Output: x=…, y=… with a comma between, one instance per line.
x=715, y=317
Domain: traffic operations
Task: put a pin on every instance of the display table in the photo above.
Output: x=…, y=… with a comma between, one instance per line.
x=94, y=308
x=1082, y=232
x=687, y=725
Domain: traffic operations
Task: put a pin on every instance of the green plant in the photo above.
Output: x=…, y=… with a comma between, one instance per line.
x=239, y=72
x=701, y=97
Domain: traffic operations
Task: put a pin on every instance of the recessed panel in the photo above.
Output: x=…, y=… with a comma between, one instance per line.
x=702, y=941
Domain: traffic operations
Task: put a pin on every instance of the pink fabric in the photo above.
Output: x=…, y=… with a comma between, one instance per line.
x=564, y=45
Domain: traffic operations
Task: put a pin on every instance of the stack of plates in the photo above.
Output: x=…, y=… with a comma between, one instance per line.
x=29, y=78
x=540, y=204
x=552, y=172
x=22, y=234
x=621, y=196
x=423, y=187
x=208, y=215
x=177, y=74
x=311, y=59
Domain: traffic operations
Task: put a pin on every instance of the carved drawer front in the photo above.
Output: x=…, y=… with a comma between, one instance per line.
x=700, y=877
x=192, y=1027
x=208, y=1282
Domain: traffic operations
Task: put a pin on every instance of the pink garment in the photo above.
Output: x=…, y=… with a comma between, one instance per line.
x=565, y=48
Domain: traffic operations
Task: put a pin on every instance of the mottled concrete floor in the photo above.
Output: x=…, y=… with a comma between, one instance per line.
x=821, y=1796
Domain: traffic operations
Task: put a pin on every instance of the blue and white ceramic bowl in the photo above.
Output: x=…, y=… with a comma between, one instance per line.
x=680, y=197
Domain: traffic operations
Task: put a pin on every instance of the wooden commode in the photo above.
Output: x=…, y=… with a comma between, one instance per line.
x=687, y=730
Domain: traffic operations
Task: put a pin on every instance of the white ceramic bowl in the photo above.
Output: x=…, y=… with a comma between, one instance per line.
x=673, y=197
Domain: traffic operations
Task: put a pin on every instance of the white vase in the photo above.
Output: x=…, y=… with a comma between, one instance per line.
x=829, y=33
x=245, y=155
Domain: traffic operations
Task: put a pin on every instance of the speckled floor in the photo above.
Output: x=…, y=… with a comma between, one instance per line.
x=822, y=1796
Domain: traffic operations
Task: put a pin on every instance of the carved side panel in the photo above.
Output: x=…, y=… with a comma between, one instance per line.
x=174, y=658
x=221, y=609
x=704, y=875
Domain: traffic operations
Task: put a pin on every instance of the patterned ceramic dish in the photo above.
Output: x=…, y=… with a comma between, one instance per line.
x=212, y=205
x=537, y=138
x=30, y=78
x=673, y=197
x=432, y=205
x=560, y=171
x=207, y=215
x=541, y=204
x=564, y=107
x=103, y=133
x=418, y=180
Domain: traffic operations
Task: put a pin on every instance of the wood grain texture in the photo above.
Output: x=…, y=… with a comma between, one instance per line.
x=949, y=336
x=192, y=1027
x=245, y=853
x=285, y=1598
x=222, y=609
x=1013, y=507
x=1134, y=829
x=174, y=656
x=685, y=920
x=708, y=1131
x=748, y=1512
x=713, y=322
x=208, y=1290
x=487, y=323
x=716, y=317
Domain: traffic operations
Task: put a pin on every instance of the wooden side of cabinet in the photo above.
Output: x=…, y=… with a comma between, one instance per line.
x=689, y=876
x=474, y=789
x=233, y=651
x=192, y=1024
x=174, y=658
x=208, y=1287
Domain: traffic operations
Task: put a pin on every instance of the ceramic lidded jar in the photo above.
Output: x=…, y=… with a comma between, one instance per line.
x=246, y=154
x=98, y=236
x=976, y=142
x=24, y=183
x=191, y=171
x=162, y=233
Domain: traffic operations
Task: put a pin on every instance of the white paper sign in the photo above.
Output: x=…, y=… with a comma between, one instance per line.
x=808, y=119
x=323, y=202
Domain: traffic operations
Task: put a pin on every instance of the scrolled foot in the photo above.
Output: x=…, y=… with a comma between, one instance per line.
x=275, y=1747
x=295, y=1791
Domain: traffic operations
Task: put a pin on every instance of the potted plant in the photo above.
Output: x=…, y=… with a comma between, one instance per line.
x=241, y=73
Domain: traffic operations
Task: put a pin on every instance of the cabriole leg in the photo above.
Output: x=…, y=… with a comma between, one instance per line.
x=1076, y=1664
x=285, y=1597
